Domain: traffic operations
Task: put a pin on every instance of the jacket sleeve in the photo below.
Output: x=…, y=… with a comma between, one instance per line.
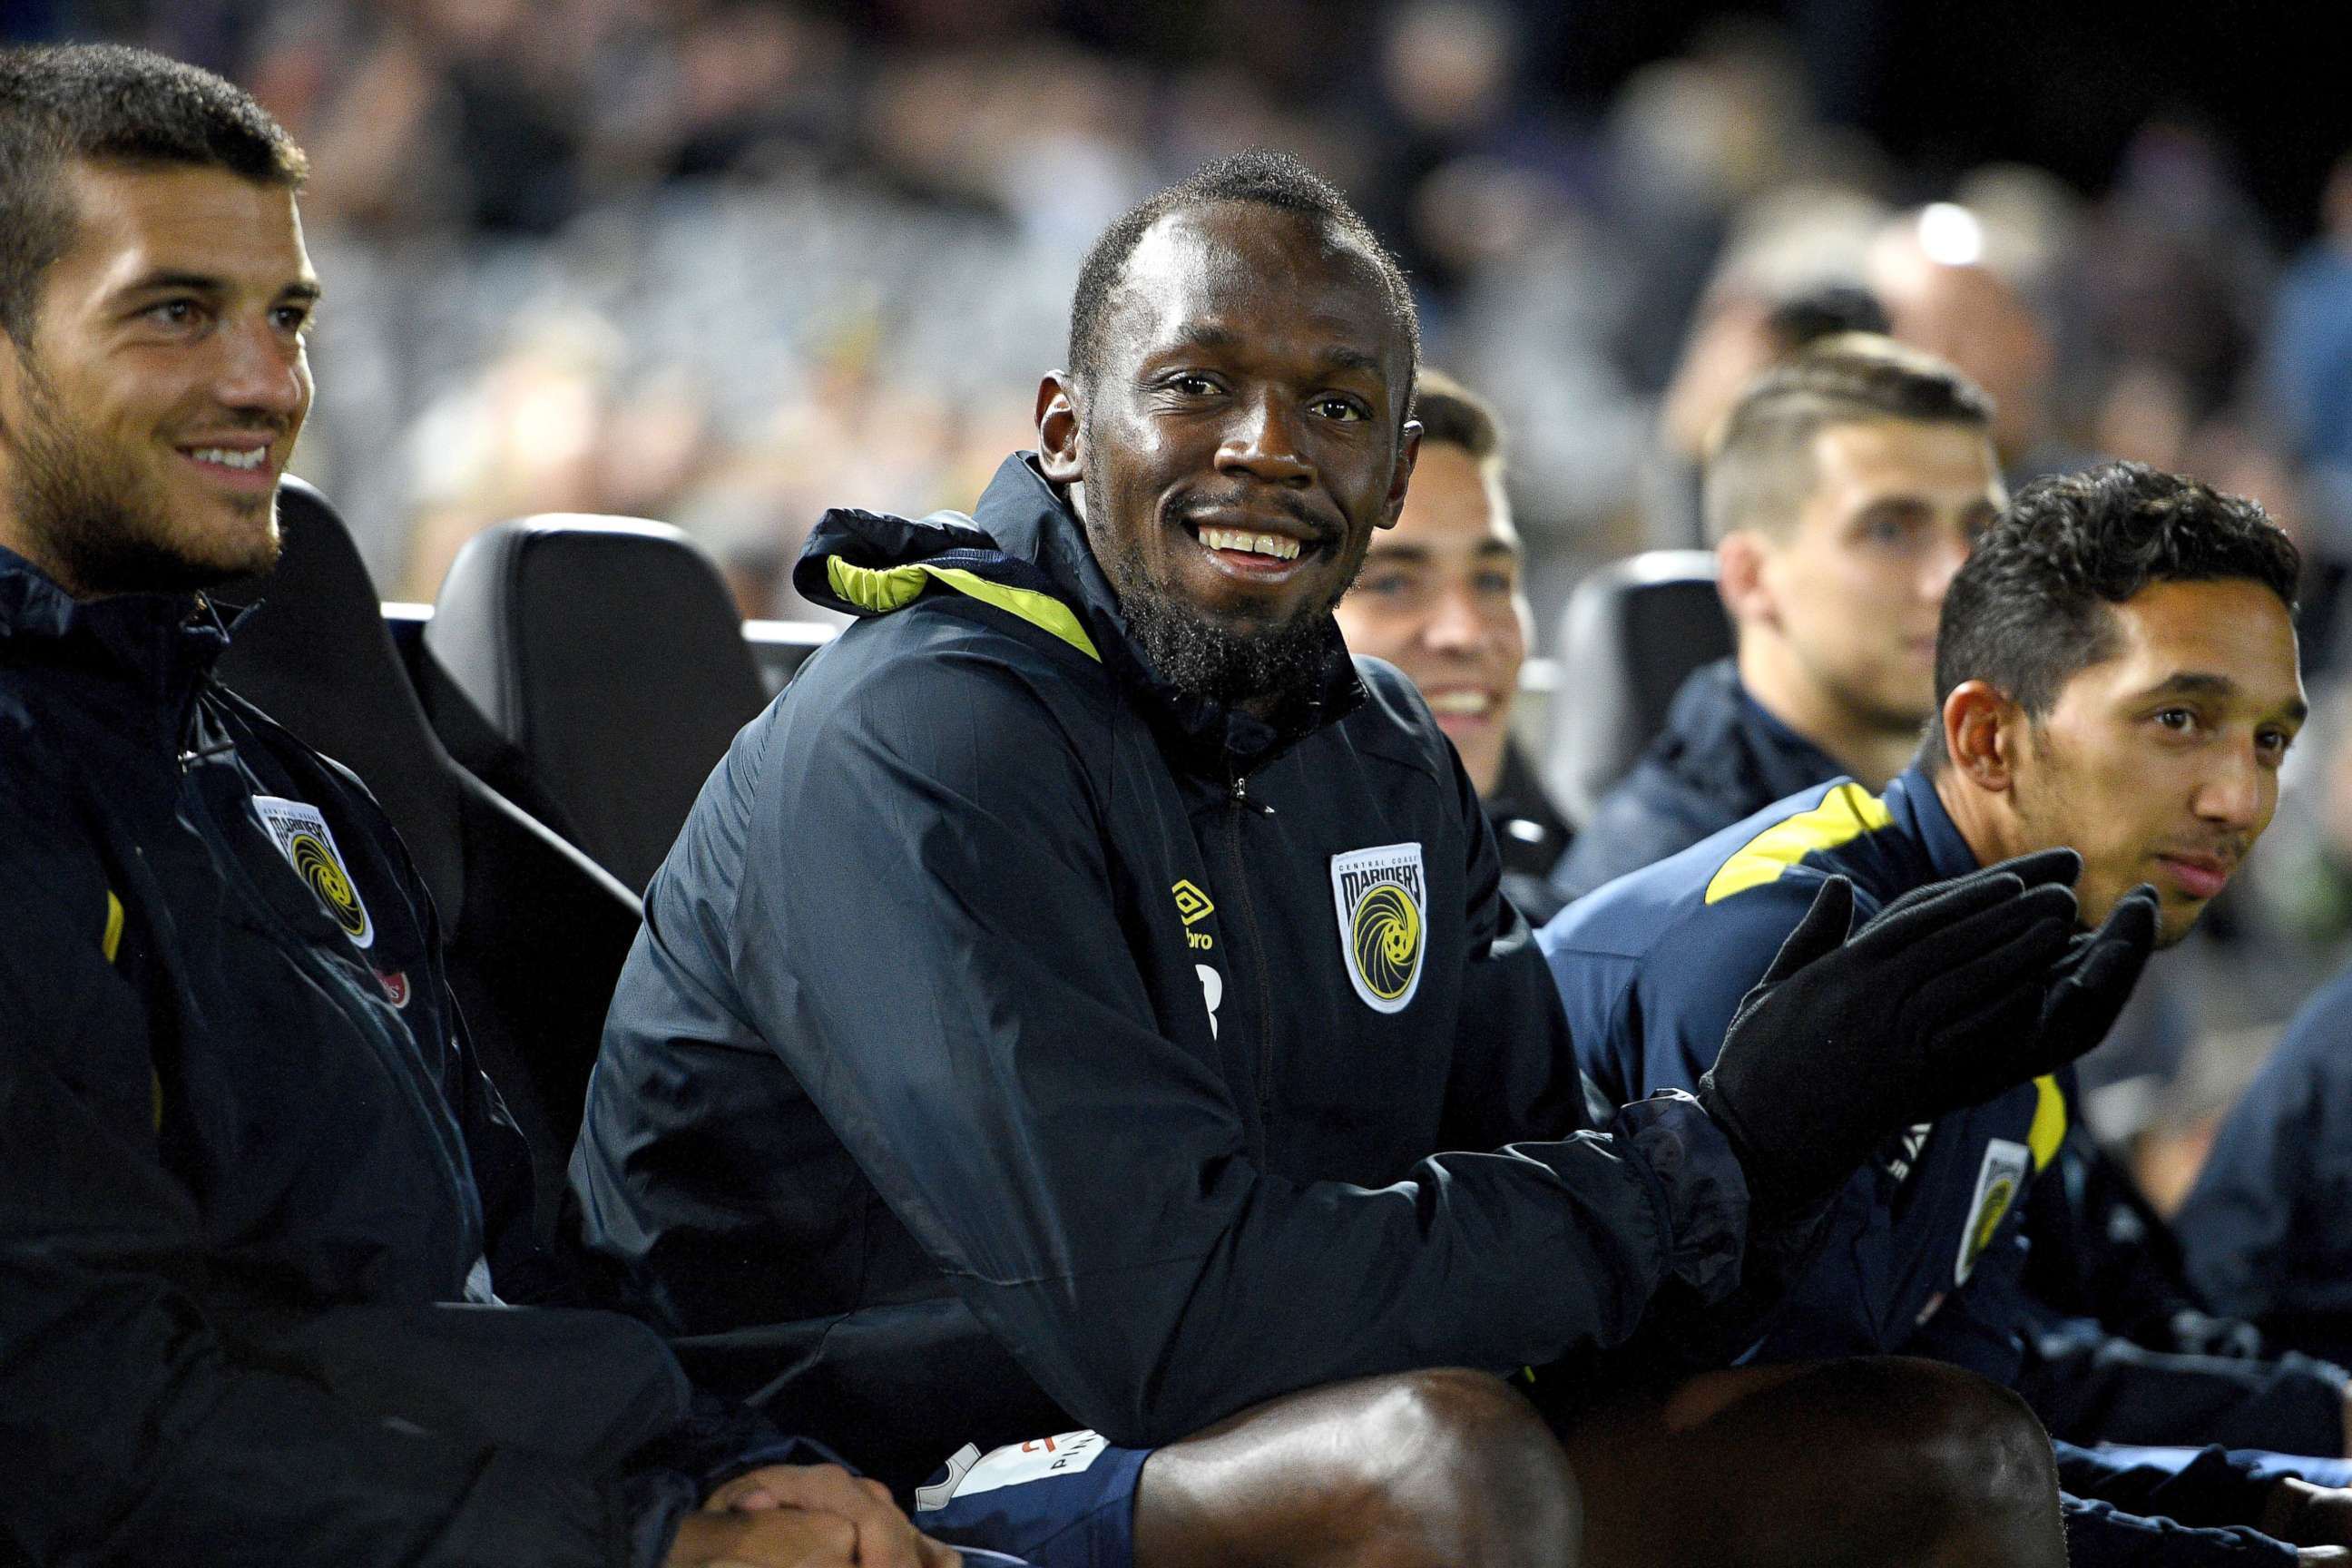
x=926, y=930
x=2123, y=1514
x=136, y=1425
x=2237, y=1223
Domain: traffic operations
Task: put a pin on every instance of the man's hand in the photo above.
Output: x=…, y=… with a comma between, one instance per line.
x=827, y=1515
x=2309, y=1516
x=1954, y=993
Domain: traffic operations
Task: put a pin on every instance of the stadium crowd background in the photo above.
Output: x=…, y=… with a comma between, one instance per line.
x=727, y=264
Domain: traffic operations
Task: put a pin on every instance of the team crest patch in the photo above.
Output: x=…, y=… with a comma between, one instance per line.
x=1999, y=1181
x=308, y=845
x=1380, y=894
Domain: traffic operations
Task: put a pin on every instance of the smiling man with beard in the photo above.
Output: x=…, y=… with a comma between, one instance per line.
x=1054, y=1009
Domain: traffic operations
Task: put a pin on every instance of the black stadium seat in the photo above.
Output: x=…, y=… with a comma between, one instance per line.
x=533, y=932
x=607, y=651
x=1630, y=633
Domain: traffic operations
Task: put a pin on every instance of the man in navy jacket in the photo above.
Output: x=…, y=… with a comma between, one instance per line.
x=2118, y=672
x=257, y=1201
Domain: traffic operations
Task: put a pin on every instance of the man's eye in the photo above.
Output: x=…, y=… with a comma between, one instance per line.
x=2273, y=742
x=1339, y=408
x=174, y=312
x=2179, y=719
x=1499, y=582
x=1384, y=584
x=1192, y=385
x=292, y=318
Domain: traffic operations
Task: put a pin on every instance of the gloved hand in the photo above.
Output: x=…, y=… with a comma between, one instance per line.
x=1952, y=994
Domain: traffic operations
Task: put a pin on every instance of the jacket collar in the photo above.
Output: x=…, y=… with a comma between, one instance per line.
x=1023, y=534
x=1912, y=800
x=142, y=652
x=1724, y=743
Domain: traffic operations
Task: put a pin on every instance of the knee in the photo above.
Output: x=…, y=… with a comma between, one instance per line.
x=1461, y=1470
x=1960, y=1454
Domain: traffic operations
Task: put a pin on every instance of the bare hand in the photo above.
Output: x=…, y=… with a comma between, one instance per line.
x=776, y=1538
x=880, y=1536
x=2309, y=1516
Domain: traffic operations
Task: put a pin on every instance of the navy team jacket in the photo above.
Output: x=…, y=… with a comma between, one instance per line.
x=1924, y=1255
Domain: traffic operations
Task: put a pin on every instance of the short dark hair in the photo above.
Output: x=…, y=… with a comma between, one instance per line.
x=1259, y=177
x=1451, y=414
x=111, y=103
x=1825, y=311
x=2031, y=608
x=1761, y=465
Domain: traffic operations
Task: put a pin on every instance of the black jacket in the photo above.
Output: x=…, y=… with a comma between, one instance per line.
x=1530, y=835
x=1086, y=1048
x=243, y=1150
x=1720, y=758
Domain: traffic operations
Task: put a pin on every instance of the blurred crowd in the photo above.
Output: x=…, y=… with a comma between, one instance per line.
x=726, y=264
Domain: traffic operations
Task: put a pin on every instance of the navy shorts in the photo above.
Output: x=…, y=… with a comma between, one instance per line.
x=1066, y=1501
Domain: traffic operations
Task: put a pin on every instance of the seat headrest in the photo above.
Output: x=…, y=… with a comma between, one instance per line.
x=1630, y=634
x=609, y=652
x=314, y=655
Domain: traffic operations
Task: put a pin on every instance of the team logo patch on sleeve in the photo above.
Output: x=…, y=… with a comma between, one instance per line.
x=1999, y=1181
x=1380, y=894
x=308, y=845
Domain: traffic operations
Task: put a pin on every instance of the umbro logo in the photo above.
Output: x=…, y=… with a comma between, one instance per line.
x=1194, y=906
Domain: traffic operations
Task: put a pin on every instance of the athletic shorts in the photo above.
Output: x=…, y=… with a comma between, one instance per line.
x=1066, y=1501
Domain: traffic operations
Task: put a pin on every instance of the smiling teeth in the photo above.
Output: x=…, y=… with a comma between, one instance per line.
x=228, y=459
x=1460, y=703
x=1271, y=544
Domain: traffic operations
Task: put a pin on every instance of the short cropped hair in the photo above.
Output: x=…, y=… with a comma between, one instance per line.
x=1451, y=414
x=109, y=103
x=1761, y=467
x=2031, y=606
x=1258, y=177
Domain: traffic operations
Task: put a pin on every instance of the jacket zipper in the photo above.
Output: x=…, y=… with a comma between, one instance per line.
x=1242, y=806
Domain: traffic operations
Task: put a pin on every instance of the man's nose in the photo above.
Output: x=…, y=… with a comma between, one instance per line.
x=1944, y=563
x=1454, y=625
x=2234, y=790
x=263, y=370
x=1262, y=442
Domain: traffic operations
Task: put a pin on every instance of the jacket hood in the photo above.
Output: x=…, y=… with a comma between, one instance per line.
x=1724, y=744
x=143, y=650
x=1024, y=552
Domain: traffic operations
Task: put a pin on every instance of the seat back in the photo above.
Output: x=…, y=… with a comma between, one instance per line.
x=609, y=652
x=1630, y=634
x=533, y=932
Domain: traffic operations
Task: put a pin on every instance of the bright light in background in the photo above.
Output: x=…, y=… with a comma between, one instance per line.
x=1951, y=235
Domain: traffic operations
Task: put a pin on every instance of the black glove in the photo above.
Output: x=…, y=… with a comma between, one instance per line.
x=1952, y=994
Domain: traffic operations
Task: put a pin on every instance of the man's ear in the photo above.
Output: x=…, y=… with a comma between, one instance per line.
x=1408, y=454
x=1739, y=562
x=1060, y=431
x=1982, y=730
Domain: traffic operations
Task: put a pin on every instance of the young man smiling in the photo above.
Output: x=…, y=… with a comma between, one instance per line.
x=2117, y=675
x=254, y=1198
x=1053, y=1007
x=1440, y=598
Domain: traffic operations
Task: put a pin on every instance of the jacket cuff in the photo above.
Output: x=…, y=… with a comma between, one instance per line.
x=1702, y=1192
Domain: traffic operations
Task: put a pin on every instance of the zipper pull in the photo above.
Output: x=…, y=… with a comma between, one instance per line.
x=1240, y=799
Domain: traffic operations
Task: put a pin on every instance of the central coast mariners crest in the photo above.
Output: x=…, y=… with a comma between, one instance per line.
x=1998, y=1181
x=308, y=845
x=1381, y=896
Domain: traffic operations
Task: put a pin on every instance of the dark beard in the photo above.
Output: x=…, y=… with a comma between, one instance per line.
x=1276, y=673
x=93, y=531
